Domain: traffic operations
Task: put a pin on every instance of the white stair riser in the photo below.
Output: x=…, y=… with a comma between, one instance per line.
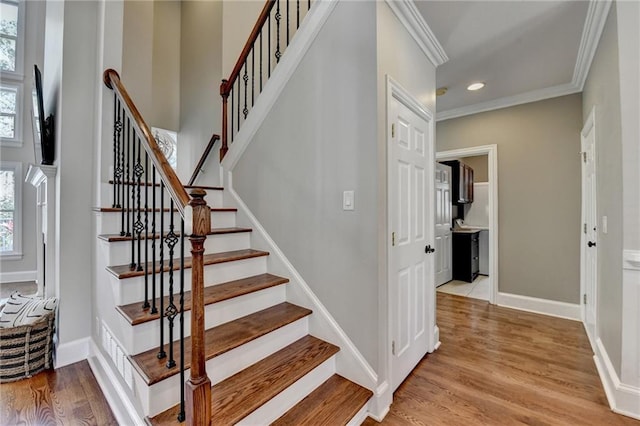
x=213, y=197
x=109, y=222
x=131, y=290
x=165, y=394
x=119, y=252
x=288, y=398
x=143, y=337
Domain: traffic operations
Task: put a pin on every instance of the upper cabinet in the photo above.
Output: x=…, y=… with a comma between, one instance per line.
x=462, y=182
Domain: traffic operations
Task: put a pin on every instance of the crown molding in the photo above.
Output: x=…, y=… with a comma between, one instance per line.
x=522, y=98
x=591, y=32
x=593, y=26
x=408, y=14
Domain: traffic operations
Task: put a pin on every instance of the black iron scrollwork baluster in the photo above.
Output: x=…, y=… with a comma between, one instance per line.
x=287, y=22
x=245, y=77
x=128, y=179
x=117, y=171
x=278, y=18
x=261, y=60
x=161, y=351
x=181, y=416
x=171, y=240
x=154, y=308
x=146, y=231
x=297, y=14
x=138, y=226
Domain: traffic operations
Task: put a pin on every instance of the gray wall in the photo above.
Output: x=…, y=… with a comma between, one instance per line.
x=317, y=141
x=33, y=54
x=602, y=90
x=200, y=76
x=538, y=191
x=480, y=166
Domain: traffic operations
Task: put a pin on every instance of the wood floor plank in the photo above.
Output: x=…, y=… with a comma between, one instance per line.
x=135, y=314
x=335, y=402
x=221, y=339
x=125, y=271
x=67, y=396
x=499, y=366
x=241, y=394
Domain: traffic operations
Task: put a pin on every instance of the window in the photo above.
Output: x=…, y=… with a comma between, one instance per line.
x=11, y=77
x=10, y=209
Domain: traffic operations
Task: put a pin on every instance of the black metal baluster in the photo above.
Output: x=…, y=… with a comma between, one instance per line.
x=245, y=77
x=116, y=123
x=260, y=60
x=154, y=309
x=146, y=231
x=118, y=170
x=132, y=213
x=127, y=178
x=122, y=167
x=139, y=226
x=253, y=73
x=239, y=92
x=269, y=46
x=278, y=17
x=181, y=416
x=308, y=5
x=171, y=311
x=161, y=351
x=287, y=22
x=233, y=95
x=297, y=14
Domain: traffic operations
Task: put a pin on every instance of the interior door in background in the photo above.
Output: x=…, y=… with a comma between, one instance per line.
x=443, y=271
x=411, y=268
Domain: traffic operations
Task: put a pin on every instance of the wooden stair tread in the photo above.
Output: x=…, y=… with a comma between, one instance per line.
x=213, y=188
x=241, y=394
x=220, y=339
x=213, y=294
x=119, y=209
x=214, y=231
x=124, y=271
x=335, y=402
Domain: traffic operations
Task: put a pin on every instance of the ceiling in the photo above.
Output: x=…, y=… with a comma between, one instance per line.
x=522, y=50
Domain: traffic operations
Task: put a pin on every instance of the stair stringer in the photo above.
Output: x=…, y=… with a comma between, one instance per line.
x=305, y=35
x=350, y=363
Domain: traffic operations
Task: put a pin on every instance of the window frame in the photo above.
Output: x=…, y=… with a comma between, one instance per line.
x=16, y=253
x=18, y=74
x=16, y=140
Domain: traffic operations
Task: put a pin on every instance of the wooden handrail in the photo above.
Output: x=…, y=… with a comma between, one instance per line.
x=175, y=188
x=225, y=87
x=203, y=158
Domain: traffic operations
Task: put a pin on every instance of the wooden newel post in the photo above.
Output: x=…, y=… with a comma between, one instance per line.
x=198, y=387
x=224, y=92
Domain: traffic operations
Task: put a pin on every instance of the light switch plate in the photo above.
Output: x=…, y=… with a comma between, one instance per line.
x=604, y=224
x=348, y=200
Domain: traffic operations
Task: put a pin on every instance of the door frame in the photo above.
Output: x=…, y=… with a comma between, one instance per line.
x=589, y=126
x=492, y=152
x=400, y=94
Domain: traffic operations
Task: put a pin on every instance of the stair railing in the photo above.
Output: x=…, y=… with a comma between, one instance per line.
x=266, y=44
x=203, y=159
x=142, y=180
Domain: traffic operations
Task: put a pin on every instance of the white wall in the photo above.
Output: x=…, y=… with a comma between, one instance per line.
x=317, y=141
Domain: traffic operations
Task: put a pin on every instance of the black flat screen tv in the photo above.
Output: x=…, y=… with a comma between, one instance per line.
x=43, y=134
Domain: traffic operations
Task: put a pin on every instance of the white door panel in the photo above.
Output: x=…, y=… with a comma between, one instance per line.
x=411, y=269
x=589, y=248
x=443, y=271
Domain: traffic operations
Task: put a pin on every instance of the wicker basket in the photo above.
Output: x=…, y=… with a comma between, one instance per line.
x=26, y=350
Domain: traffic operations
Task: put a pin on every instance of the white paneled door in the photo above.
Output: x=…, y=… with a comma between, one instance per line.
x=589, y=248
x=411, y=171
x=442, y=266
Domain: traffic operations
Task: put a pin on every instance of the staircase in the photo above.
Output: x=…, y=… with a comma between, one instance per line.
x=211, y=338
x=264, y=366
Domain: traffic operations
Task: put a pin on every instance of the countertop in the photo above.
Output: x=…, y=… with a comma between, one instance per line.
x=468, y=230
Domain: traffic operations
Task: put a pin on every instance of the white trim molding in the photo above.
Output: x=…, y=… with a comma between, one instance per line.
x=71, y=352
x=17, y=277
x=492, y=159
x=591, y=32
x=623, y=399
x=409, y=15
x=540, y=306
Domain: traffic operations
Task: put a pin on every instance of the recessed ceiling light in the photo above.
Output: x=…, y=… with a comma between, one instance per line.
x=441, y=91
x=475, y=86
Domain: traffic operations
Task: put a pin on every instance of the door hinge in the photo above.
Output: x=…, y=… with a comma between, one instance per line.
x=585, y=228
x=393, y=130
x=393, y=347
x=584, y=298
x=393, y=239
x=584, y=156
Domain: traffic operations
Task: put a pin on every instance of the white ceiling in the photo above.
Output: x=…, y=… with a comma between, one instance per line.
x=520, y=49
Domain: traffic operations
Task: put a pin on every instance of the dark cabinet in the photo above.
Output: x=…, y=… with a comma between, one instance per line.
x=461, y=182
x=466, y=255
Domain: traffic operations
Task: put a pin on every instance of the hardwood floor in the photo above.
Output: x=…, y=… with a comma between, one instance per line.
x=499, y=366
x=67, y=396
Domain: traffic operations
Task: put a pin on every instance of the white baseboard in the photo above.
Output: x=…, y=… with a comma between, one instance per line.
x=623, y=399
x=72, y=352
x=116, y=395
x=18, y=277
x=540, y=306
x=380, y=402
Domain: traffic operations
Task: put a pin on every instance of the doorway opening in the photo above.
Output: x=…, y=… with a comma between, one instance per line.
x=476, y=229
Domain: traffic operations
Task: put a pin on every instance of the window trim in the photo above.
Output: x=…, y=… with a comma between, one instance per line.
x=16, y=140
x=16, y=253
x=18, y=74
